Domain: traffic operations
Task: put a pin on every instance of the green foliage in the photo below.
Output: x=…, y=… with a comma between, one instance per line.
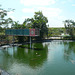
x=24, y=46
x=38, y=21
x=38, y=45
x=3, y=21
x=20, y=39
x=69, y=37
x=55, y=31
x=3, y=13
x=27, y=23
x=70, y=27
x=16, y=25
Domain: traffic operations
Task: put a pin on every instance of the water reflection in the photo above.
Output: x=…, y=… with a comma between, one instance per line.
x=48, y=58
x=24, y=56
x=69, y=51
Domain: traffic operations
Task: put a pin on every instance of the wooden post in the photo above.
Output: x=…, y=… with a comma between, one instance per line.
x=7, y=39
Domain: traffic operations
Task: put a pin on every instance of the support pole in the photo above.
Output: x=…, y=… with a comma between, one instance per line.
x=7, y=39
x=30, y=41
x=13, y=40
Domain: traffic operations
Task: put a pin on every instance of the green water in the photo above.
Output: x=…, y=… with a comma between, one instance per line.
x=51, y=58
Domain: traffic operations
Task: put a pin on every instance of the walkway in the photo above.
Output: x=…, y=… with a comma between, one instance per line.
x=2, y=72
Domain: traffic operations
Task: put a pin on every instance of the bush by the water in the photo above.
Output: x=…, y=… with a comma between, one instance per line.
x=69, y=37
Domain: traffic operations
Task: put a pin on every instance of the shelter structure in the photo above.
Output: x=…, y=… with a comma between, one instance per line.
x=23, y=32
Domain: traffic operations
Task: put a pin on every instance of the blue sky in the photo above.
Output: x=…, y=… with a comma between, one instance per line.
x=55, y=10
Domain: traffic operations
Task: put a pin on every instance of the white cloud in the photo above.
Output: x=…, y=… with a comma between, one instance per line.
x=50, y=12
x=23, y=18
x=53, y=14
x=11, y=12
x=73, y=4
x=37, y=2
x=57, y=21
x=63, y=2
x=10, y=15
x=46, y=11
x=1, y=10
x=70, y=0
x=66, y=1
x=14, y=18
x=28, y=10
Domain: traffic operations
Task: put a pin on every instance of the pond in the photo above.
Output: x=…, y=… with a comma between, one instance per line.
x=51, y=58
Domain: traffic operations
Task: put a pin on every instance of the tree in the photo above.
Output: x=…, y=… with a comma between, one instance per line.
x=3, y=13
x=16, y=25
x=70, y=27
x=38, y=21
x=28, y=23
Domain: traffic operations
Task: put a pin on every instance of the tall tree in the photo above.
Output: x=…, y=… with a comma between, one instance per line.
x=38, y=21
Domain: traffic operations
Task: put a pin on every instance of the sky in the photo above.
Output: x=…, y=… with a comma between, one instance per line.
x=56, y=11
